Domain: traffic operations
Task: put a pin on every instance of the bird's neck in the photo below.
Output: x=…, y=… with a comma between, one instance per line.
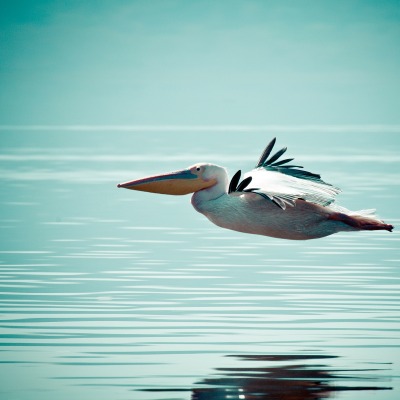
x=202, y=197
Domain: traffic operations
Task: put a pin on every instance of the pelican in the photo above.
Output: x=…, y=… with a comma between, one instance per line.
x=274, y=199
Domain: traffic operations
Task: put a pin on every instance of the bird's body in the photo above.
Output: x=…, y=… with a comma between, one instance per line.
x=282, y=201
x=250, y=213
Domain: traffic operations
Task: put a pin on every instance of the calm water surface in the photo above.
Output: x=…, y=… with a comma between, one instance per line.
x=113, y=294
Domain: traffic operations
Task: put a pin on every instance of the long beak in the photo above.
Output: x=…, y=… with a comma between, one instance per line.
x=176, y=183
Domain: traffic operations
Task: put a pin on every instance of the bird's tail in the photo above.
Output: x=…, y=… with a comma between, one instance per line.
x=364, y=220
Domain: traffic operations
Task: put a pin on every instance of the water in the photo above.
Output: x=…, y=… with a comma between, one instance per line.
x=112, y=294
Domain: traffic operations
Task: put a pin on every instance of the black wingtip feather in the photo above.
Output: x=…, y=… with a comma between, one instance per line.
x=302, y=174
x=275, y=156
x=244, y=184
x=292, y=166
x=234, y=182
x=265, y=154
x=278, y=163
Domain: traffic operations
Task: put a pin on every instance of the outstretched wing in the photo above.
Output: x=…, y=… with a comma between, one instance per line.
x=283, y=183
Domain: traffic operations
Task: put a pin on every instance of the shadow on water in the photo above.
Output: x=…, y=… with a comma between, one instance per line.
x=282, y=377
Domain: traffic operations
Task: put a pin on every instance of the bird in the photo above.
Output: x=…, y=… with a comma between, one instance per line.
x=276, y=198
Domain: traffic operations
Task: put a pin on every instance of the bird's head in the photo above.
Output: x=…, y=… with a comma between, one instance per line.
x=193, y=179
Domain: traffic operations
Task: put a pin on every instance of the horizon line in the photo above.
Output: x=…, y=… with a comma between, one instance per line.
x=329, y=128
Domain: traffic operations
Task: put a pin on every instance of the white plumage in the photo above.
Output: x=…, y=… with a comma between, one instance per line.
x=288, y=188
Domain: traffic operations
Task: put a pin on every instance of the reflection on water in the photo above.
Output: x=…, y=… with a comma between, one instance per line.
x=116, y=295
x=285, y=377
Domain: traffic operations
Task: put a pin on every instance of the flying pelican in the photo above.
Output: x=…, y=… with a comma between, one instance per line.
x=274, y=199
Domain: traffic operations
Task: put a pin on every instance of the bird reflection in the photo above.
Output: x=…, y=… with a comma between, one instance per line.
x=285, y=377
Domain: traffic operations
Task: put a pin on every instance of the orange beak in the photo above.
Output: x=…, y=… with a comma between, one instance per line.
x=175, y=183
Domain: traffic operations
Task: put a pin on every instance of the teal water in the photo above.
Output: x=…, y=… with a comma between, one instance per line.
x=112, y=294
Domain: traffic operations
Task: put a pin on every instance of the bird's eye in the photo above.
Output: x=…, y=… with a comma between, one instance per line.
x=198, y=169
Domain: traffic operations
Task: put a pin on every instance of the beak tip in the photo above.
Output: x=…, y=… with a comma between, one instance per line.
x=119, y=185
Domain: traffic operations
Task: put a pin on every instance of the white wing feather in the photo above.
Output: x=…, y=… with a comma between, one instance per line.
x=286, y=189
x=283, y=183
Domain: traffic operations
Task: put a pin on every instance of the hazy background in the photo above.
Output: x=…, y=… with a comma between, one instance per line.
x=107, y=293
x=199, y=62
